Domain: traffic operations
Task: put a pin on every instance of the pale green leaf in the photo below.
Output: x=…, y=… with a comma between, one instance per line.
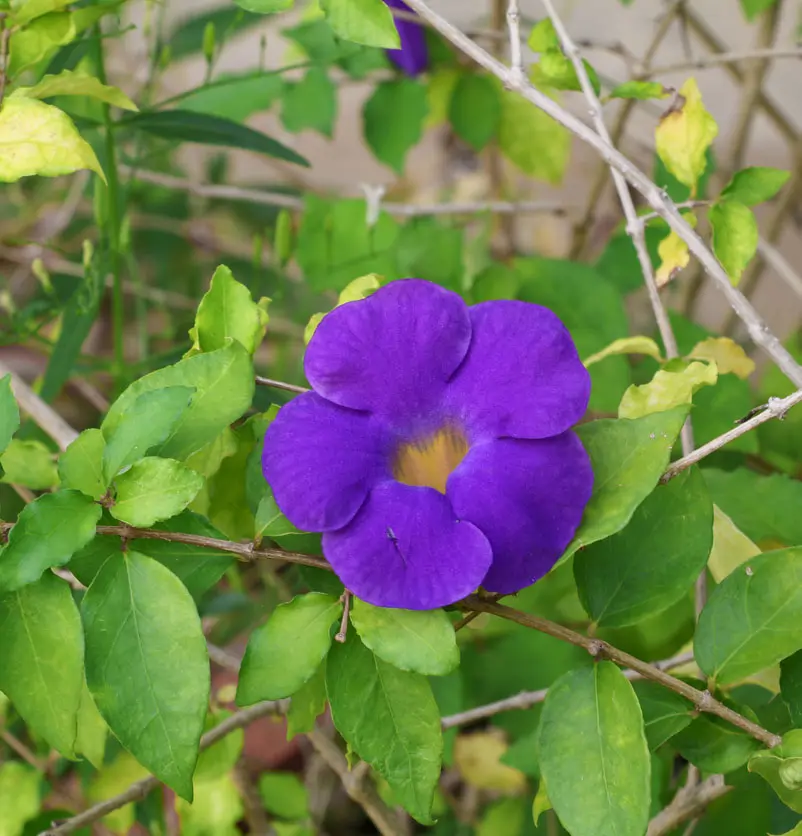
x=782, y=768
x=29, y=463
x=731, y=547
x=752, y=8
x=215, y=812
x=735, y=236
x=90, y=741
x=557, y=71
x=729, y=357
x=284, y=795
x=310, y=104
x=115, y=778
x=642, y=90
x=39, y=39
x=627, y=345
x=543, y=36
x=73, y=83
x=265, y=7
x=307, y=704
x=9, y=412
x=80, y=466
x=20, y=787
x=27, y=10
x=755, y=184
x=504, y=816
x=393, y=119
x=667, y=389
x=221, y=758
x=368, y=22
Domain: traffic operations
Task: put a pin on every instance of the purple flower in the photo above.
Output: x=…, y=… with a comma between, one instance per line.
x=435, y=452
x=413, y=57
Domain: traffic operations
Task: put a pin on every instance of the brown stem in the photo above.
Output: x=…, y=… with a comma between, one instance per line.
x=5, y=37
x=688, y=803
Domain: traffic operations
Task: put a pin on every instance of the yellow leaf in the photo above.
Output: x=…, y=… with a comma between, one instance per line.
x=729, y=357
x=731, y=547
x=439, y=90
x=358, y=289
x=69, y=83
x=684, y=134
x=477, y=758
x=674, y=255
x=36, y=138
x=627, y=345
x=668, y=388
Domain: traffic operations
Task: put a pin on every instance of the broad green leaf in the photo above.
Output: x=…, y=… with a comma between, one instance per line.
x=224, y=385
x=265, y=7
x=307, y=704
x=412, y=640
x=390, y=719
x=642, y=90
x=531, y=140
x=221, y=758
x=48, y=532
x=285, y=652
x=506, y=816
x=477, y=758
x=20, y=787
x=592, y=727
x=37, y=138
x=310, y=104
x=216, y=810
x=729, y=357
x=752, y=8
x=627, y=345
x=70, y=83
x=475, y=109
x=667, y=389
x=435, y=250
x=791, y=686
x=628, y=459
x=154, y=489
x=80, y=466
x=715, y=745
x=368, y=22
x=731, y=547
x=684, y=134
x=393, y=119
x=284, y=795
x=146, y=665
x=39, y=39
x=753, y=618
x=782, y=768
x=90, y=739
x=235, y=96
x=147, y=424
x=664, y=712
x=203, y=128
x=113, y=779
x=29, y=463
x=9, y=412
x=735, y=236
x=754, y=185
x=42, y=658
x=654, y=561
x=25, y=12
x=557, y=71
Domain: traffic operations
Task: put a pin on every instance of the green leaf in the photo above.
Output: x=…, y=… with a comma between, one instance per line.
x=752, y=8
x=532, y=140
x=654, y=561
x=393, y=119
x=627, y=345
x=756, y=184
x=668, y=388
x=429, y=248
x=592, y=727
x=221, y=758
x=557, y=71
x=543, y=36
x=39, y=39
x=147, y=424
x=791, y=686
x=42, y=658
x=30, y=464
x=24, y=11
x=80, y=466
x=188, y=126
x=36, y=138
x=90, y=740
x=235, y=96
x=664, y=712
x=367, y=22
x=224, y=385
x=307, y=704
x=154, y=489
x=782, y=768
x=310, y=103
x=265, y=7
x=475, y=109
x=411, y=640
x=69, y=83
x=735, y=236
x=48, y=532
x=285, y=652
x=714, y=745
x=9, y=413
x=628, y=459
x=390, y=719
x=19, y=788
x=731, y=547
x=284, y=795
x=753, y=618
x=115, y=778
x=146, y=665
x=642, y=90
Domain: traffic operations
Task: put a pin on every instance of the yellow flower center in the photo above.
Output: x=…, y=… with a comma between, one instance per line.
x=429, y=462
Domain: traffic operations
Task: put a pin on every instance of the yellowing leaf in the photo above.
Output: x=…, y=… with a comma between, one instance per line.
x=69, y=83
x=684, y=134
x=674, y=255
x=439, y=90
x=36, y=138
x=477, y=758
x=667, y=389
x=358, y=289
x=627, y=345
x=541, y=802
x=731, y=547
x=729, y=357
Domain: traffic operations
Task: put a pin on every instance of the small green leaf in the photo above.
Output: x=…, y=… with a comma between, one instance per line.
x=39, y=39
x=235, y=96
x=368, y=22
x=24, y=11
x=714, y=745
x=9, y=413
x=731, y=547
x=642, y=90
x=543, y=36
x=628, y=459
x=36, y=138
x=393, y=119
x=29, y=463
x=147, y=424
x=146, y=665
x=752, y=8
x=42, y=659
x=390, y=719
x=307, y=704
x=627, y=345
x=755, y=184
x=154, y=489
x=664, y=712
x=20, y=787
x=48, y=532
x=791, y=686
x=69, y=83
x=284, y=795
x=475, y=109
x=220, y=759
x=782, y=768
x=90, y=740
x=265, y=7
x=753, y=618
x=80, y=466
x=285, y=652
x=592, y=727
x=735, y=236
x=557, y=71
x=411, y=640
x=310, y=103
x=667, y=389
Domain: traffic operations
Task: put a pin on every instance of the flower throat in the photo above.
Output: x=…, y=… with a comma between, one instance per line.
x=430, y=461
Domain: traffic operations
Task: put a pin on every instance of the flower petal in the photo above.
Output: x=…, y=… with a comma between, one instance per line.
x=527, y=497
x=405, y=548
x=392, y=353
x=321, y=460
x=413, y=57
x=522, y=376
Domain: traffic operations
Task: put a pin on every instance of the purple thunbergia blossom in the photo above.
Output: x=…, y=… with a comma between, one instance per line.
x=413, y=57
x=435, y=451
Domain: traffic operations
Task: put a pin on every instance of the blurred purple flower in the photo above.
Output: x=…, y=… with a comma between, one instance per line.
x=413, y=57
x=434, y=451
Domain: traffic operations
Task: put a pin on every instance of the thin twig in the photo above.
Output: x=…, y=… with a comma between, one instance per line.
x=280, y=384
x=688, y=803
x=780, y=264
x=514, y=28
x=342, y=633
x=22, y=750
x=717, y=59
x=702, y=700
